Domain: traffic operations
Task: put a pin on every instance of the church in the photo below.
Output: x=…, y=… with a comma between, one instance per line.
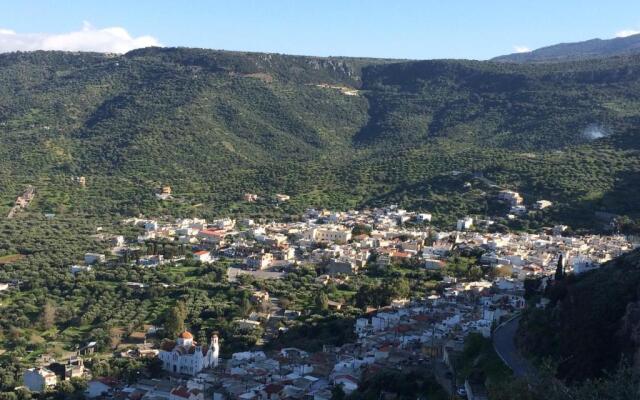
x=184, y=356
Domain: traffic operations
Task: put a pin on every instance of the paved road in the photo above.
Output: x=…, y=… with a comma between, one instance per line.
x=440, y=371
x=504, y=343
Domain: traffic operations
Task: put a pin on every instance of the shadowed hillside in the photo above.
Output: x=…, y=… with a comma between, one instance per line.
x=591, y=325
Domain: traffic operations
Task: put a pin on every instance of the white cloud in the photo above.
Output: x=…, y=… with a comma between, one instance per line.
x=521, y=49
x=105, y=40
x=627, y=32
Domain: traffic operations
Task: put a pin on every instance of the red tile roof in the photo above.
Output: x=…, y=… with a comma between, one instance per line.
x=273, y=388
x=212, y=232
x=106, y=380
x=181, y=391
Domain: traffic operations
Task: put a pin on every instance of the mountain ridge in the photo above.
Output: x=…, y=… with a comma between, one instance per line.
x=588, y=49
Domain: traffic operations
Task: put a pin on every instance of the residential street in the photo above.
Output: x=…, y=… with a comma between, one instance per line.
x=440, y=371
x=504, y=344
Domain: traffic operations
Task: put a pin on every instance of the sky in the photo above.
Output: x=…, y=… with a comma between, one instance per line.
x=408, y=29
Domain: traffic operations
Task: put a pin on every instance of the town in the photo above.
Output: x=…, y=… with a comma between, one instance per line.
x=329, y=200
x=404, y=332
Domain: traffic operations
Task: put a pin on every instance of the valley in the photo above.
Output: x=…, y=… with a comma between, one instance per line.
x=184, y=222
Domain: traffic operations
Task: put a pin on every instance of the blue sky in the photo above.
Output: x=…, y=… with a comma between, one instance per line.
x=424, y=29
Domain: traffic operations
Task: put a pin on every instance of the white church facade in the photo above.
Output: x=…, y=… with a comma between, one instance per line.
x=188, y=357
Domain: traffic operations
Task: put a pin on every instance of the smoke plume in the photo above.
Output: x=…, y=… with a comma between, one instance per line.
x=595, y=132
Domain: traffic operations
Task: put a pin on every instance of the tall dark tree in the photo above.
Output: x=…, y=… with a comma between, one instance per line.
x=560, y=269
x=174, y=321
x=322, y=301
x=337, y=393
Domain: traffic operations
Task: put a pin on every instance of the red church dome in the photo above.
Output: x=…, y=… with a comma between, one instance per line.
x=186, y=335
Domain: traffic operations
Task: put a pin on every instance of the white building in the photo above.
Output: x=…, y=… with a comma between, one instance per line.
x=189, y=358
x=202, y=256
x=558, y=229
x=247, y=324
x=259, y=261
x=464, y=224
x=80, y=268
x=146, y=236
x=187, y=231
x=434, y=265
x=94, y=258
x=117, y=240
x=423, y=217
x=224, y=223
x=518, y=210
x=97, y=388
x=542, y=204
x=151, y=226
x=328, y=234
x=151, y=261
x=511, y=197
x=250, y=197
x=348, y=382
x=39, y=379
x=213, y=237
x=581, y=264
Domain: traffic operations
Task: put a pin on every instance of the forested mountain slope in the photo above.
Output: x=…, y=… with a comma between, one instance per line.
x=214, y=124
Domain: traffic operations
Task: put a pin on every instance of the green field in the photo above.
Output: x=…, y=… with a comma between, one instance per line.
x=10, y=258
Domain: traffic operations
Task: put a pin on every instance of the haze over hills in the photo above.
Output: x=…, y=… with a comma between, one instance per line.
x=331, y=132
x=588, y=49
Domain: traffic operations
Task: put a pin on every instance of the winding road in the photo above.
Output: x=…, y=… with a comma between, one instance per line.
x=505, y=346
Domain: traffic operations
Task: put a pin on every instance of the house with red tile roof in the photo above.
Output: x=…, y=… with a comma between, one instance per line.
x=182, y=393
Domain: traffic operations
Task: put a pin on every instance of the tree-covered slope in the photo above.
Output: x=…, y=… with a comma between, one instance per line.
x=592, y=324
x=526, y=107
x=338, y=132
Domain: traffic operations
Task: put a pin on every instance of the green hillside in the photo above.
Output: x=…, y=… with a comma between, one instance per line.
x=214, y=124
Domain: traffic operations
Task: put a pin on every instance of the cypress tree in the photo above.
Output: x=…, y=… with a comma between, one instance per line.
x=559, y=269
